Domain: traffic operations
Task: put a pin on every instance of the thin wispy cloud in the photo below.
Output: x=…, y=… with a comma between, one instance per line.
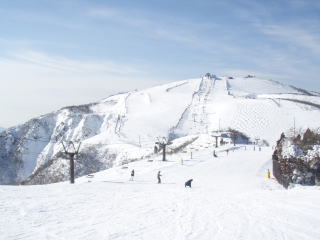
x=298, y=4
x=47, y=82
x=302, y=31
x=62, y=64
x=192, y=35
x=177, y=32
x=128, y=17
x=301, y=37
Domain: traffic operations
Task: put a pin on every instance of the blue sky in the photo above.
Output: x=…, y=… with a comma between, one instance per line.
x=57, y=53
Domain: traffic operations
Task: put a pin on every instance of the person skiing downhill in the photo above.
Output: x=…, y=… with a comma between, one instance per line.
x=214, y=153
x=158, y=176
x=132, y=175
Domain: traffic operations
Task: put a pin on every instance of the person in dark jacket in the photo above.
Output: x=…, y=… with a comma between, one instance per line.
x=188, y=183
x=214, y=153
x=158, y=176
x=132, y=175
x=155, y=150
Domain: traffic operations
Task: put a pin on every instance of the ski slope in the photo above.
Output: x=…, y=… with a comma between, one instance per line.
x=124, y=127
x=230, y=199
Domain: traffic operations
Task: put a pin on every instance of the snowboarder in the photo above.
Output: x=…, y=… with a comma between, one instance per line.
x=132, y=175
x=158, y=176
x=188, y=183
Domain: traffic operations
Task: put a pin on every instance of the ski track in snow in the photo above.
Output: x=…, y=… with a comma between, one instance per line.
x=230, y=199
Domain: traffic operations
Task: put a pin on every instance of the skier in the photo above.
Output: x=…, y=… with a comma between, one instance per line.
x=227, y=151
x=158, y=176
x=132, y=175
x=155, y=149
x=214, y=153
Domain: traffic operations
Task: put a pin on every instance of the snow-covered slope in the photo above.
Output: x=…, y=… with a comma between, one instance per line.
x=124, y=127
x=230, y=199
x=245, y=86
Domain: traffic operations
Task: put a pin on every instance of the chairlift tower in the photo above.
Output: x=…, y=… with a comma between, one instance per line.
x=71, y=153
x=216, y=136
x=162, y=143
x=256, y=142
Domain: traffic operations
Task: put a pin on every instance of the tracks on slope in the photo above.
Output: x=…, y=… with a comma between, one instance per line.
x=302, y=102
x=196, y=110
x=122, y=116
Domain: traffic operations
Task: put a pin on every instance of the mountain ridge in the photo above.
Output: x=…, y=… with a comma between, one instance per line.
x=124, y=127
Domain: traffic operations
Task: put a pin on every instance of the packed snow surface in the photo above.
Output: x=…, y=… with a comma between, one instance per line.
x=230, y=199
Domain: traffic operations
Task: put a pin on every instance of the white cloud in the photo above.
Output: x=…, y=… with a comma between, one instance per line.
x=301, y=37
x=34, y=83
x=57, y=63
x=298, y=4
x=280, y=66
x=131, y=18
x=167, y=28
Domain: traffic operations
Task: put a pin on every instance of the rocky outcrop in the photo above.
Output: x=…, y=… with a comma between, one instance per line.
x=297, y=160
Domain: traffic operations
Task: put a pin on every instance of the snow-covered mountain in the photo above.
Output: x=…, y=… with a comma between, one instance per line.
x=124, y=127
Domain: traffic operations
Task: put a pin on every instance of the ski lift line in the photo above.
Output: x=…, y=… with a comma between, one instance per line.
x=42, y=140
x=51, y=140
x=123, y=143
x=37, y=140
x=99, y=112
x=104, y=144
x=34, y=154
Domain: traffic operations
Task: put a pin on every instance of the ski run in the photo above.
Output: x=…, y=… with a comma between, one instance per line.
x=230, y=198
x=125, y=126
